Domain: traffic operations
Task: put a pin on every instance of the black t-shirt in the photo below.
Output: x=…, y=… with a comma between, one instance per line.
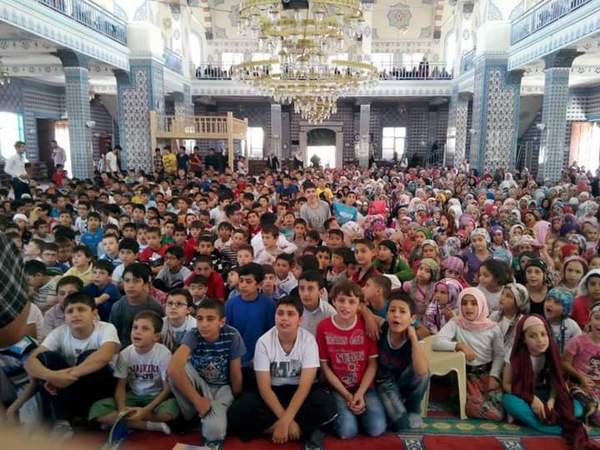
x=392, y=361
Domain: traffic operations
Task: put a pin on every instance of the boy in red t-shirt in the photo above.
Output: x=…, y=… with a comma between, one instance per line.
x=155, y=249
x=349, y=363
x=216, y=286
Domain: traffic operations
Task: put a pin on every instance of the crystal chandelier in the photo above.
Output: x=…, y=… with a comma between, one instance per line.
x=304, y=40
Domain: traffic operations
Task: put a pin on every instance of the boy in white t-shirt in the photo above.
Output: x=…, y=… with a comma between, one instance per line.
x=178, y=320
x=142, y=391
x=288, y=403
x=73, y=360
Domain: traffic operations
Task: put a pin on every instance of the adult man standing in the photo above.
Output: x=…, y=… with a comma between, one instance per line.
x=272, y=162
x=59, y=155
x=15, y=167
x=110, y=161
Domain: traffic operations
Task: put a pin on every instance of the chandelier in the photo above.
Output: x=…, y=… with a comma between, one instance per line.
x=306, y=42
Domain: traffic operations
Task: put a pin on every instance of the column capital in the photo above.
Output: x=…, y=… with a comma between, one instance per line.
x=515, y=76
x=562, y=58
x=122, y=76
x=69, y=58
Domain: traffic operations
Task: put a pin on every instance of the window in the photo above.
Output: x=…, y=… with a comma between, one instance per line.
x=383, y=61
x=410, y=60
x=11, y=131
x=255, y=138
x=231, y=59
x=393, y=142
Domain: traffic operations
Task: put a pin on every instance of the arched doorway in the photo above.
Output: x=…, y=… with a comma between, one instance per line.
x=321, y=142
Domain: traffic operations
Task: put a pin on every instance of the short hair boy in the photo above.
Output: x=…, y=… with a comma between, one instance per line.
x=288, y=403
x=174, y=273
x=142, y=391
x=82, y=264
x=43, y=285
x=216, y=286
x=310, y=286
x=377, y=290
x=349, y=363
x=178, y=320
x=128, y=253
x=70, y=393
x=136, y=283
x=205, y=371
x=102, y=290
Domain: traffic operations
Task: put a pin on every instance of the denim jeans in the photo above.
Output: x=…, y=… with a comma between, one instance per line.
x=372, y=420
x=401, y=395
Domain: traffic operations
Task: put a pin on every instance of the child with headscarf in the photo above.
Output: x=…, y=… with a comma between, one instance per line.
x=420, y=289
x=581, y=361
x=537, y=283
x=589, y=295
x=535, y=390
x=557, y=308
x=454, y=267
x=389, y=262
x=421, y=235
x=476, y=253
x=573, y=270
x=513, y=305
x=480, y=339
x=443, y=306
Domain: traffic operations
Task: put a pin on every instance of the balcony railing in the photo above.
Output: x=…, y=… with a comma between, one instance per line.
x=92, y=16
x=422, y=71
x=173, y=61
x=541, y=16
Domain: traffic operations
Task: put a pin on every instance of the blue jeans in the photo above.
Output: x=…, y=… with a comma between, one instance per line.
x=372, y=420
x=521, y=410
x=401, y=395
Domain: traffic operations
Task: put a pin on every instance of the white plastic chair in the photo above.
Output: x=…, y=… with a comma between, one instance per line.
x=442, y=363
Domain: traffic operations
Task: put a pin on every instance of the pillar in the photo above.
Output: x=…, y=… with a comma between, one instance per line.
x=553, y=151
x=276, y=130
x=364, y=133
x=139, y=91
x=183, y=102
x=77, y=96
x=456, y=137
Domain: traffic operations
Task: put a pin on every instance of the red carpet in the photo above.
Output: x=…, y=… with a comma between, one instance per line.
x=541, y=443
x=461, y=443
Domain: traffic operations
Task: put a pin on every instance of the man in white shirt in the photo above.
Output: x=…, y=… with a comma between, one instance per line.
x=59, y=155
x=15, y=167
x=110, y=161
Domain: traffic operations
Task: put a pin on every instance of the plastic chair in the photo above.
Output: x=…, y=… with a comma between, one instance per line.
x=442, y=363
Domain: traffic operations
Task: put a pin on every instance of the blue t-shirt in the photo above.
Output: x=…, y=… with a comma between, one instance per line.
x=252, y=319
x=344, y=213
x=91, y=240
x=211, y=359
x=114, y=295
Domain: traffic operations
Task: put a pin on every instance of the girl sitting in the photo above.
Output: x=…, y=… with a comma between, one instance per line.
x=477, y=253
x=535, y=390
x=493, y=275
x=557, y=308
x=581, y=360
x=431, y=250
x=537, y=284
x=443, y=306
x=573, y=270
x=514, y=303
x=480, y=339
x=420, y=289
x=454, y=267
x=589, y=295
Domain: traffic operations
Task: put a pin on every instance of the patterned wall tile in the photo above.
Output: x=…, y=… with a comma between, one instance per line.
x=77, y=89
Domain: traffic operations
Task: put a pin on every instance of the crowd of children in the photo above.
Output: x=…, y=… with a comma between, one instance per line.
x=292, y=304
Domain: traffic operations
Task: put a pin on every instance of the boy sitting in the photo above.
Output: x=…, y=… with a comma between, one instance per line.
x=110, y=247
x=203, y=266
x=155, y=249
x=136, y=282
x=270, y=250
x=128, y=252
x=251, y=313
x=205, y=371
x=55, y=316
x=288, y=404
x=43, y=285
x=73, y=362
x=94, y=234
x=102, y=290
x=82, y=264
x=174, y=273
x=310, y=286
x=403, y=372
x=286, y=281
x=142, y=391
x=177, y=321
x=377, y=290
x=349, y=363
x=50, y=258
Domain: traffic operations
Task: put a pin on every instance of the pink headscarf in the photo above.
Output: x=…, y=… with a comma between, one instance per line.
x=481, y=322
x=541, y=228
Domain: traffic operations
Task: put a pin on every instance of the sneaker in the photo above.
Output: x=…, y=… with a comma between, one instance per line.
x=316, y=441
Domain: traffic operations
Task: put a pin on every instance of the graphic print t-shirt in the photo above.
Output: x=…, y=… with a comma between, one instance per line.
x=146, y=373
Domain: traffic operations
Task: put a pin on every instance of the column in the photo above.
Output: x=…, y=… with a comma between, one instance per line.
x=77, y=95
x=496, y=112
x=553, y=152
x=138, y=92
x=276, y=130
x=456, y=137
x=183, y=102
x=364, y=133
